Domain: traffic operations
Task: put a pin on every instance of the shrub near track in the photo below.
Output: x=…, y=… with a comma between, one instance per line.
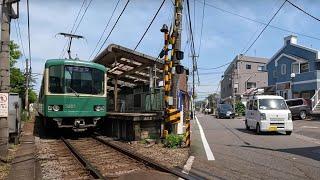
x=173, y=141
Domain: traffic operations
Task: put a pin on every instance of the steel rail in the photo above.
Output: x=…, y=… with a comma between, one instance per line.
x=93, y=171
x=145, y=160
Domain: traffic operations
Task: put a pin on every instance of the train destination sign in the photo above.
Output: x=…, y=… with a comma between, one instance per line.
x=4, y=104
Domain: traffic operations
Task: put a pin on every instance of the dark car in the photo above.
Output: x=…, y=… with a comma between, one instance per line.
x=299, y=107
x=225, y=111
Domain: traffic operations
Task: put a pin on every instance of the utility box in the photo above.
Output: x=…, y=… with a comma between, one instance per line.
x=14, y=118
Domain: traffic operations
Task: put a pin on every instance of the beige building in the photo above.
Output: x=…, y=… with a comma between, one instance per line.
x=243, y=73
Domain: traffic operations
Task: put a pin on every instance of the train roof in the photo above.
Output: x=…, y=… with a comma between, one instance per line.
x=51, y=62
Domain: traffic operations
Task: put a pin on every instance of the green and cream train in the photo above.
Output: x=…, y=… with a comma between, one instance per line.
x=73, y=94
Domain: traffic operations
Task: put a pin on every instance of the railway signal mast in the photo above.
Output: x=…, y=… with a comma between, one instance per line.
x=70, y=36
x=172, y=69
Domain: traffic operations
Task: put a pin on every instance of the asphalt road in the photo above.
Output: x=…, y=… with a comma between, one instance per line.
x=242, y=154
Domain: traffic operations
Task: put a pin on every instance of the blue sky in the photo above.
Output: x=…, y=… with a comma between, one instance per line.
x=224, y=35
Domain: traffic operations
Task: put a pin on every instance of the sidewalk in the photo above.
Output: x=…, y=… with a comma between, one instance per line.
x=24, y=164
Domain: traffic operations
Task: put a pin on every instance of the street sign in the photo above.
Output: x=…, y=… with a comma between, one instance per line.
x=4, y=104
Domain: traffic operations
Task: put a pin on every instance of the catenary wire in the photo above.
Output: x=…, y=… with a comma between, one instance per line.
x=124, y=8
x=75, y=27
x=85, y=11
x=106, y=27
x=66, y=42
x=145, y=32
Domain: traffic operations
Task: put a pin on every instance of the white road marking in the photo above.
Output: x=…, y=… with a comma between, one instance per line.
x=206, y=146
x=188, y=165
x=310, y=127
x=309, y=139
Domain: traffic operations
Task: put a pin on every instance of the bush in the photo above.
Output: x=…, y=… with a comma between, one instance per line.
x=240, y=108
x=24, y=116
x=173, y=140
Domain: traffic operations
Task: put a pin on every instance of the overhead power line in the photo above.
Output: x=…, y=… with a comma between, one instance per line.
x=78, y=15
x=114, y=25
x=85, y=11
x=303, y=11
x=260, y=22
x=18, y=31
x=265, y=27
x=76, y=25
x=104, y=30
x=250, y=38
x=216, y=67
x=154, y=17
x=203, y=12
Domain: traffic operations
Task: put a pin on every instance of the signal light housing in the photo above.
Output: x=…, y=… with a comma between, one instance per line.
x=179, y=69
x=179, y=55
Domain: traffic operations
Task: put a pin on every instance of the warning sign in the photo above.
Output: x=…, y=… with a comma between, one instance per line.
x=4, y=104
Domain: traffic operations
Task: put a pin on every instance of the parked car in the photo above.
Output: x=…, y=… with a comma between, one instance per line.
x=225, y=111
x=207, y=110
x=267, y=113
x=299, y=107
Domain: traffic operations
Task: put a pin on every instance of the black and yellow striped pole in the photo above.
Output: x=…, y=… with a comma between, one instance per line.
x=166, y=82
x=188, y=132
x=171, y=115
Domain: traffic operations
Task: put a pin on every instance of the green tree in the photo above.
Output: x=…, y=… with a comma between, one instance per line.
x=17, y=77
x=32, y=96
x=240, y=108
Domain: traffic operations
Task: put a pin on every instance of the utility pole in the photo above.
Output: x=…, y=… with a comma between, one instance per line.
x=7, y=13
x=27, y=88
x=177, y=28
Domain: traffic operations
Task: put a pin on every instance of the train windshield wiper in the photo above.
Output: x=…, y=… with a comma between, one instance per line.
x=75, y=92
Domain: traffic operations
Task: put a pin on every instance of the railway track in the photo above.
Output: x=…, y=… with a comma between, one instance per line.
x=57, y=162
x=105, y=160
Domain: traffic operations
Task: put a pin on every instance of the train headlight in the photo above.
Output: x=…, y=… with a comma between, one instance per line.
x=56, y=108
x=98, y=107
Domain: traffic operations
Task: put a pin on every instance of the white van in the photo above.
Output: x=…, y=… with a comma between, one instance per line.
x=266, y=113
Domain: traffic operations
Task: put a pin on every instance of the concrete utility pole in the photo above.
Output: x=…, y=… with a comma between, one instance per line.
x=177, y=28
x=27, y=88
x=6, y=15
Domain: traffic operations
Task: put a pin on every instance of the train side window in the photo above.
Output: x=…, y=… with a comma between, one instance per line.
x=41, y=89
x=56, y=79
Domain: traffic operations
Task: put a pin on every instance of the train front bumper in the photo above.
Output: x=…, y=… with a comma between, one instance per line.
x=77, y=123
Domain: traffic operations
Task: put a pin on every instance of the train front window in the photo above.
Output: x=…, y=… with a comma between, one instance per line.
x=84, y=80
x=76, y=79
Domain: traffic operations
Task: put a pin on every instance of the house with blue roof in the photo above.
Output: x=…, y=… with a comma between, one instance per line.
x=294, y=71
